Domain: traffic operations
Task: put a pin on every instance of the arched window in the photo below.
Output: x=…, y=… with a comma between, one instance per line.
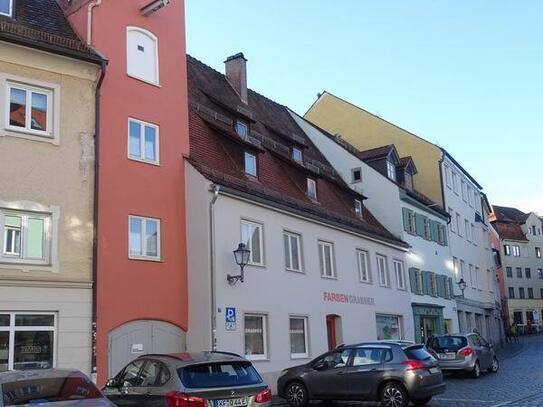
x=142, y=55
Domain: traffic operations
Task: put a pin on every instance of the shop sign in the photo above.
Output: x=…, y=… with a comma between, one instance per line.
x=347, y=298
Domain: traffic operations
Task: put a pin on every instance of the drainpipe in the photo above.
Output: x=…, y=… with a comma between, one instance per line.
x=91, y=5
x=215, y=189
x=95, y=216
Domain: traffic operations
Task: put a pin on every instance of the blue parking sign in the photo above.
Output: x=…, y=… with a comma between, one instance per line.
x=230, y=319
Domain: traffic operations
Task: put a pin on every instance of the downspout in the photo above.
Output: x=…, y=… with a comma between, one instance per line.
x=95, y=216
x=91, y=5
x=215, y=189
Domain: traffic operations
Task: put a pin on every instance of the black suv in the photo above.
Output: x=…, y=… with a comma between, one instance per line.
x=394, y=373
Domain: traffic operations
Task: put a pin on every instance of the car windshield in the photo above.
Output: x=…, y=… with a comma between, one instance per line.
x=223, y=374
x=418, y=352
x=450, y=343
x=47, y=390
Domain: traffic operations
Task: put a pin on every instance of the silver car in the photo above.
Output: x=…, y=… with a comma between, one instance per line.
x=464, y=352
x=50, y=387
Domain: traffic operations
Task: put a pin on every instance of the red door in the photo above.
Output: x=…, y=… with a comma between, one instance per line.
x=331, y=329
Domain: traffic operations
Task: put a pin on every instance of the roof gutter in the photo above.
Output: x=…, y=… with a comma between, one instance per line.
x=90, y=8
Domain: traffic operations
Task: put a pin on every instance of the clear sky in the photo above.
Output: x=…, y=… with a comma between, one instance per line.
x=465, y=74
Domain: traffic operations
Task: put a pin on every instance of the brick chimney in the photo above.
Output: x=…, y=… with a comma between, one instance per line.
x=236, y=74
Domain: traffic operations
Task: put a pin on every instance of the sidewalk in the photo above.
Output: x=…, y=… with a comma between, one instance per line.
x=510, y=350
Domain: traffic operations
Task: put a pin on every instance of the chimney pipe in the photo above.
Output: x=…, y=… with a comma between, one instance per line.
x=236, y=74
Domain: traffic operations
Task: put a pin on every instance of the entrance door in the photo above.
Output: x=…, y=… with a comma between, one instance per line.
x=333, y=329
x=137, y=338
x=427, y=328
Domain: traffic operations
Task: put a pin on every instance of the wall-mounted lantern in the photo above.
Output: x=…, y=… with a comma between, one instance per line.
x=241, y=255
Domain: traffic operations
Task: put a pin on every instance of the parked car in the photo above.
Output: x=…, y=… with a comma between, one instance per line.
x=189, y=380
x=464, y=352
x=50, y=387
x=394, y=373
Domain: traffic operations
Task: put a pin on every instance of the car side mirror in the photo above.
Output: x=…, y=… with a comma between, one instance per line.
x=320, y=365
x=112, y=383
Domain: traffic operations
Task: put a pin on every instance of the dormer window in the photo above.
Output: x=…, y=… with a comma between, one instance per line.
x=391, y=170
x=241, y=129
x=356, y=175
x=408, y=181
x=6, y=8
x=297, y=155
x=250, y=164
x=358, y=207
x=312, y=189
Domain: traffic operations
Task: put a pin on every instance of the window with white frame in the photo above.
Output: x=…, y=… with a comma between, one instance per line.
x=364, y=272
x=25, y=237
x=448, y=176
x=293, y=251
x=298, y=337
x=470, y=196
x=358, y=207
x=297, y=155
x=452, y=223
x=419, y=289
x=433, y=284
x=473, y=234
x=255, y=336
x=400, y=276
x=30, y=109
x=250, y=164
x=27, y=340
x=312, y=188
x=241, y=128
x=463, y=269
x=455, y=182
x=427, y=229
x=391, y=170
x=458, y=224
x=382, y=271
x=144, y=238
x=142, y=55
x=468, y=230
x=507, y=249
x=143, y=141
x=464, y=193
x=326, y=259
x=252, y=236
x=356, y=175
x=6, y=8
x=516, y=251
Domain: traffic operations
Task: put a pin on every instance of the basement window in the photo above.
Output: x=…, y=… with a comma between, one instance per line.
x=6, y=7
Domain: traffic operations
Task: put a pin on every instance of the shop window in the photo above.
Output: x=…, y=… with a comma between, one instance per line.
x=255, y=334
x=298, y=337
x=252, y=236
x=142, y=55
x=27, y=341
x=388, y=327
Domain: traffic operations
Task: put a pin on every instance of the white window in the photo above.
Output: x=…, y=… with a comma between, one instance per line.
x=463, y=269
x=477, y=278
x=251, y=235
x=473, y=234
x=358, y=207
x=471, y=277
x=452, y=223
x=364, y=272
x=142, y=55
x=298, y=337
x=326, y=259
x=255, y=335
x=388, y=327
x=516, y=250
x=382, y=270
x=30, y=109
x=470, y=196
x=455, y=267
x=250, y=164
x=458, y=225
x=143, y=141
x=433, y=284
x=356, y=175
x=455, y=182
x=464, y=194
x=241, y=129
x=427, y=229
x=312, y=188
x=27, y=340
x=144, y=238
x=297, y=155
x=400, y=277
x=6, y=7
x=25, y=237
x=448, y=176
x=293, y=251
x=468, y=230
x=391, y=170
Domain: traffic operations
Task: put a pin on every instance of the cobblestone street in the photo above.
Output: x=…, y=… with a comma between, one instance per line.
x=519, y=383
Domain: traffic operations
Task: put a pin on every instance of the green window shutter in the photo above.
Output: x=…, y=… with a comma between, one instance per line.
x=419, y=225
x=405, y=213
x=426, y=289
x=434, y=236
x=413, y=279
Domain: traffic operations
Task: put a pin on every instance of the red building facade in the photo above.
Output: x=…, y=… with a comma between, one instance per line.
x=140, y=260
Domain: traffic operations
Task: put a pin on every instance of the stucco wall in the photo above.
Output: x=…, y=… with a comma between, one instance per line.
x=365, y=131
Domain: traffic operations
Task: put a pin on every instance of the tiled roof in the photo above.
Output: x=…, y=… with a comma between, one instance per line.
x=215, y=151
x=508, y=214
x=511, y=231
x=375, y=153
x=507, y=221
x=42, y=24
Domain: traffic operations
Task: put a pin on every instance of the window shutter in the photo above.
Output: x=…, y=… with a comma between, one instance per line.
x=413, y=279
x=444, y=234
x=433, y=231
x=426, y=289
x=405, y=213
x=419, y=224
x=441, y=286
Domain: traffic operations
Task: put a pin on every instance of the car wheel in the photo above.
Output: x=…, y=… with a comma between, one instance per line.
x=422, y=402
x=476, y=372
x=296, y=394
x=494, y=366
x=394, y=395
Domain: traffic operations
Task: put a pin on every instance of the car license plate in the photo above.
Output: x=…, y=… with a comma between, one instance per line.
x=237, y=402
x=434, y=370
x=447, y=356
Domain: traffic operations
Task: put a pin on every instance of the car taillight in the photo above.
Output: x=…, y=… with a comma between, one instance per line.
x=264, y=396
x=465, y=352
x=178, y=399
x=413, y=364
